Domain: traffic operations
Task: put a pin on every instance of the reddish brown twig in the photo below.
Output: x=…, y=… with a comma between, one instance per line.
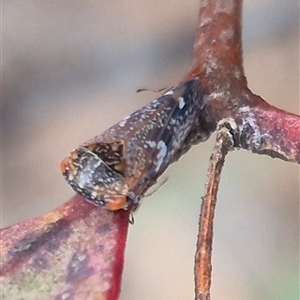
x=260, y=127
x=203, y=267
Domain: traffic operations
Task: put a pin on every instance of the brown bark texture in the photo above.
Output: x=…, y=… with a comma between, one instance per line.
x=252, y=123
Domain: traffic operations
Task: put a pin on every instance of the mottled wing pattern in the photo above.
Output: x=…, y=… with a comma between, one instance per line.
x=112, y=153
x=159, y=129
x=186, y=103
x=116, y=165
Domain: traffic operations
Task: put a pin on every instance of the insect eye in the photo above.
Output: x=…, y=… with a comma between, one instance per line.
x=135, y=199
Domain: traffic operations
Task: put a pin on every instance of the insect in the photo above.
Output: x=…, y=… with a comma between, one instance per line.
x=115, y=168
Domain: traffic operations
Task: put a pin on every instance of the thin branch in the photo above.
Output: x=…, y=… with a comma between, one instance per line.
x=218, y=47
x=274, y=132
x=203, y=267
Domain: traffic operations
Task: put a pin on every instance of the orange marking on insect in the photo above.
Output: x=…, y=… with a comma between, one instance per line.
x=64, y=164
x=116, y=203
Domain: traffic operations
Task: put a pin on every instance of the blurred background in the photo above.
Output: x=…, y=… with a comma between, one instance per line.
x=70, y=70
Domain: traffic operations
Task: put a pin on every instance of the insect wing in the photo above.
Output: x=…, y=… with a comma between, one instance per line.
x=162, y=127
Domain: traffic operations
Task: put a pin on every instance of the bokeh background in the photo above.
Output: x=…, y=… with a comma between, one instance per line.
x=70, y=70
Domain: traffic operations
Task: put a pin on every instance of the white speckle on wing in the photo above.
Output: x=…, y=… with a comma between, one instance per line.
x=123, y=122
x=152, y=144
x=169, y=93
x=161, y=146
x=181, y=102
